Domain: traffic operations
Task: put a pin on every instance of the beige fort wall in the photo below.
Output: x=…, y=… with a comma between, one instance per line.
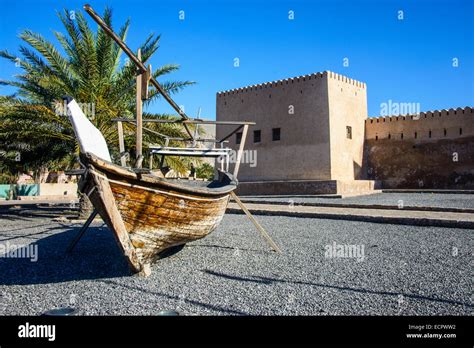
x=304, y=149
x=431, y=150
x=347, y=107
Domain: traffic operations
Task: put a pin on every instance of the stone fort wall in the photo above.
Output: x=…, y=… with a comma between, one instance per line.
x=431, y=150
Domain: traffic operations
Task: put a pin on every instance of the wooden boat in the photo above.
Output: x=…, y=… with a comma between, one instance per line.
x=149, y=214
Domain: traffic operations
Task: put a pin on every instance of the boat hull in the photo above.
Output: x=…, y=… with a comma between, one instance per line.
x=147, y=219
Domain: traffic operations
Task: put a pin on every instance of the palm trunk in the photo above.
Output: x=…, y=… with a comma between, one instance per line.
x=85, y=206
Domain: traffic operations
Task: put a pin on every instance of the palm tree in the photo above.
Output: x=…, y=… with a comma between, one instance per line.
x=90, y=69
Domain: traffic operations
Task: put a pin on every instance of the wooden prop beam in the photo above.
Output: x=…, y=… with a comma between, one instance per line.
x=255, y=222
x=137, y=62
x=139, y=115
x=123, y=159
x=241, y=150
x=82, y=231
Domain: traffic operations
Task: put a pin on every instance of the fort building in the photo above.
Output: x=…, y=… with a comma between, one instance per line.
x=313, y=135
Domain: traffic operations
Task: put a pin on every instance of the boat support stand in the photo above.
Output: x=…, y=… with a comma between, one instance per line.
x=255, y=222
x=82, y=231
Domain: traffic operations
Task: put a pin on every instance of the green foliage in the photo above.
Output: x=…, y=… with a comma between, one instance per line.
x=86, y=65
x=205, y=171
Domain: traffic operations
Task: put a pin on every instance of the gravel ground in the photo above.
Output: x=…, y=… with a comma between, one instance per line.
x=406, y=270
x=444, y=200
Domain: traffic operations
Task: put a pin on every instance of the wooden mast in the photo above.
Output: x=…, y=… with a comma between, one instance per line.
x=139, y=116
x=141, y=67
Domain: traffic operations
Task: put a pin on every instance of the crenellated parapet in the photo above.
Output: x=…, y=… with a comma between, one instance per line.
x=422, y=115
x=293, y=80
x=437, y=124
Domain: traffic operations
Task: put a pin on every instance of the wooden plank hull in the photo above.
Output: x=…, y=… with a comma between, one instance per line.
x=147, y=219
x=159, y=220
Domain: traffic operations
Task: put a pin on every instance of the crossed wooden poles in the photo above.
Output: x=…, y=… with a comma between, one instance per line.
x=145, y=77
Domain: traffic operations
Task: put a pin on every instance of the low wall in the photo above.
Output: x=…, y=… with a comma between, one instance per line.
x=69, y=189
x=437, y=164
x=307, y=187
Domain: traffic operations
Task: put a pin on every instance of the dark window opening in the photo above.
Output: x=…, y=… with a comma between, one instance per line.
x=238, y=138
x=257, y=136
x=416, y=135
x=376, y=137
x=348, y=132
x=401, y=136
x=276, y=134
x=429, y=134
x=460, y=131
x=445, y=132
x=389, y=136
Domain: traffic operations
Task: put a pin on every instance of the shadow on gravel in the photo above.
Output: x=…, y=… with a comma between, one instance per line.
x=27, y=212
x=214, y=246
x=268, y=281
x=214, y=307
x=95, y=256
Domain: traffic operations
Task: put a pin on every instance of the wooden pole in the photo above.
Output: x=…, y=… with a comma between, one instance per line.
x=82, y=231
x=139, y=64
x=139, y=159
x=123, y=160
x=241, y=149
x=134, y=58
x=255, y=222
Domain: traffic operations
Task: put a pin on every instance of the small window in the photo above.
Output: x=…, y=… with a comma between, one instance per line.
x=429, y=134
x=389, y=136
x=257, y=136
x=445, y=132
x=275, y=134
x=416, y=135
x=348, y=132
x=376, y=137
x=401, y=136
x=460, y=131
x=238, y=138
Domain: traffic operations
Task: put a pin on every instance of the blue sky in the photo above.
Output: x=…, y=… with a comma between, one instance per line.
x=406, y=61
